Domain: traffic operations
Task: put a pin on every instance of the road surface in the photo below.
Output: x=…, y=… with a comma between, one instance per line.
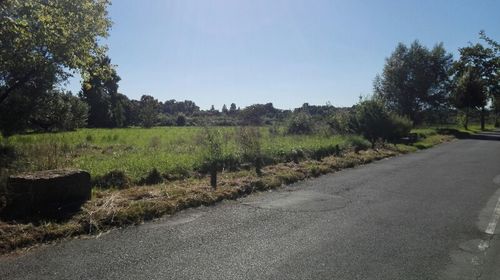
x=427, y=215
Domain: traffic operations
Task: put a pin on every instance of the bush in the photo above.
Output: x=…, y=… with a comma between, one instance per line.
x=249, y=140
x=114, y=179
x=340, y=122
x=374, y=122
x=300, y=123
x=181, y=120
x=358, y=143
x=213, y=155
x=153, y=177
x=399, y=127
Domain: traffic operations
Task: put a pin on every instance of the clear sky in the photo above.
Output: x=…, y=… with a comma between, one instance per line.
x=282, y=51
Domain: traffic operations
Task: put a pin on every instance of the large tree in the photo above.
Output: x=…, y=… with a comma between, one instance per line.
x=469, y=93
x=42, y=43
x=100, y=91
x=481, y=63
x=414, y=78
x=149, y=108
x=495, y=85
x=42, y=40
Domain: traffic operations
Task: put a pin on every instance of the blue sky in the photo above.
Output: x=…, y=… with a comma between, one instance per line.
x=282, y=51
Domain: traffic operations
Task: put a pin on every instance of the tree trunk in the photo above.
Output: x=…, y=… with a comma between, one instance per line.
x=483, y=116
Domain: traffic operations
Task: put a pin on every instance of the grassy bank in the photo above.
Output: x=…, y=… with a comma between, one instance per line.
x=116, y=208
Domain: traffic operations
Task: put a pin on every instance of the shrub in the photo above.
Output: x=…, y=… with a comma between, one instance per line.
x=213, y=154
x=358, y=143
x=249, y=140
x=113, y=179
x=399, y=127
x=181, y=120
x=153, y=177
x=300, y=123
x=374, y=122
x=340, y=122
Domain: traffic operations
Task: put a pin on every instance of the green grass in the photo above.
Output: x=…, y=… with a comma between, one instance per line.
x=175, y=151
x=136, y=151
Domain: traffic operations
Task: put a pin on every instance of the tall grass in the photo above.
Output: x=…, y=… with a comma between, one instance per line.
x=137, y=151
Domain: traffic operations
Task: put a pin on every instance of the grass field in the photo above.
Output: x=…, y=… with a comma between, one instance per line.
x=174, y=151
x=136, y=151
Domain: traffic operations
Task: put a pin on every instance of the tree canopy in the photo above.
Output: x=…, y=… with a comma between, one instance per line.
x=414, y=78
x=42, y=40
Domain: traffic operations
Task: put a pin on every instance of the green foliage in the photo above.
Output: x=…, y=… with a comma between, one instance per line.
x=56, y=111
x=358, y=143
x=374, y=122
x=414, y=78
x=469, y=94
x=148, y=111
x=249, y=140
x=214, y=154
x=42, y=40
x=340, y=122
x=398, y=127
x=300, y=123
x=181, y=120
x=255, y=114
x=476, y=80
x=100, y=92
x=49, y=111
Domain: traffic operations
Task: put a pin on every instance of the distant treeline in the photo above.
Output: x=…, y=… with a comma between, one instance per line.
x=420, y=84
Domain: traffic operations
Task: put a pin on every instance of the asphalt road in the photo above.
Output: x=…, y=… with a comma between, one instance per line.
x=419, y=216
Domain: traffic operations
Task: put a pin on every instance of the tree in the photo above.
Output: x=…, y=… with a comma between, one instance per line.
x=254, y=114
x=475, y=70
x=148, y=110
x=58, y=111
x=495, y=85
x=100, y=91
x=42, y=41
x=414, y=78
x=232, y=109
x=469, y=93
x=225, y=111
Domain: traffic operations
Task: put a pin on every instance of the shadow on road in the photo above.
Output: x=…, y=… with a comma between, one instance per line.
x=483, y=135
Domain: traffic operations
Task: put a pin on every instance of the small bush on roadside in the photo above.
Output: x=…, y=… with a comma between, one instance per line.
x=214, y=156
x=375, y=122
x=250, y=144
x=300, y=123
x=340, y=122
x=114, y=179
x=358, y=143
x=153, y=177
x=399, y=127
